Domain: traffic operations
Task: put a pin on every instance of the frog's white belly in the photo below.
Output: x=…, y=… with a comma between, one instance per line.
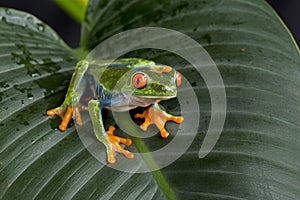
x=123, y=102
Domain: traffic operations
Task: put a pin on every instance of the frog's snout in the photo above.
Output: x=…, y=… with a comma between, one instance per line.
x=170, y=91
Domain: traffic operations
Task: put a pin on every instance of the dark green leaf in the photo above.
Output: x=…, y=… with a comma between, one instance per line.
x=258, y=154
x=36, y=160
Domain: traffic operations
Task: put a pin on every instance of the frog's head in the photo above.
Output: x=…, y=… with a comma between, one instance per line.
x=159, y=82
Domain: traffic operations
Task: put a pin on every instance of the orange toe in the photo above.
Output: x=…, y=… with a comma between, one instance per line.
x=127, y=141
x=128, y=154
x=164, y=133
x=52, y=112
x=177, y=119
x=66, y=118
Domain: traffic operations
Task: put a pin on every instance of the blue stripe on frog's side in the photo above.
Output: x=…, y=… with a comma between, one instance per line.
x=98, y=91
x=105, y=100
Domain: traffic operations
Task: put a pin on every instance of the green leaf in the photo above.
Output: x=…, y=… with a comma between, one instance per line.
x=36, y=160
x=257, y=156
x=75, y=8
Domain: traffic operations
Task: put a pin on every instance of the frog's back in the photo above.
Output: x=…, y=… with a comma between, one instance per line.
x=107, y=73
x=130, y=63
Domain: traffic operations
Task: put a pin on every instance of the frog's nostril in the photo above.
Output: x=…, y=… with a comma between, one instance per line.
x=178, y=79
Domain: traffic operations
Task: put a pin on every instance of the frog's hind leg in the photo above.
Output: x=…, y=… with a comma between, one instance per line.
x=71, y=102
x=66, y=113
x=110, y=141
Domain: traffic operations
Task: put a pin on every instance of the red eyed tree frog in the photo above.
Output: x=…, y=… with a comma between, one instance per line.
x=143, y=83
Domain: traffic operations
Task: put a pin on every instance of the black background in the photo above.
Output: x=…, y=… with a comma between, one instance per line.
x=69, y=30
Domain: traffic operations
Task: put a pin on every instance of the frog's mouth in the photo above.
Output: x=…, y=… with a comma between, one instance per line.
x=152, y=99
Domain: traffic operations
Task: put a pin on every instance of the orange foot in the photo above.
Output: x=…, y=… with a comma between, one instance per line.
x=154, y=115
x=115, y=143
x=66, y=113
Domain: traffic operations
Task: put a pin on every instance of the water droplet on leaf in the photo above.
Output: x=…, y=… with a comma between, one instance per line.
x=35, y=75
x=29, y=18
x=8, y=12
x=40, y=27
x=30, y=96
x=25, y=123
x=4, y=20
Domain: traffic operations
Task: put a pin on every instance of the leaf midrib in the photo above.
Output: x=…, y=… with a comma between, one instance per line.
x=157, y=174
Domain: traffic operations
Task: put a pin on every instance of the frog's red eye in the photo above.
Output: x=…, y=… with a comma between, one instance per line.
x=178, y=79
x=139, y=80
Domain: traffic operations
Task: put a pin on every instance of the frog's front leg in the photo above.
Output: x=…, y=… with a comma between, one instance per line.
x=70, y=104
x=154, y=115
x=110, y=141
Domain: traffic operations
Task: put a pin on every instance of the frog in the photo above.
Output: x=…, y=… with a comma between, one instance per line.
x=120, y=85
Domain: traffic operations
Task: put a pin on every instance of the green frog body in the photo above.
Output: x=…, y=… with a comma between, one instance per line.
x=119, y=85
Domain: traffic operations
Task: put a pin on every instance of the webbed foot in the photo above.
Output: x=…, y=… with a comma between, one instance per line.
x=154, y=115
x=66, y=113
x=115, y=142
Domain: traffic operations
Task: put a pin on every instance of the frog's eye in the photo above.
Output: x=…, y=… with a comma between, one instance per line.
x=139, y=80
x=178, y=79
